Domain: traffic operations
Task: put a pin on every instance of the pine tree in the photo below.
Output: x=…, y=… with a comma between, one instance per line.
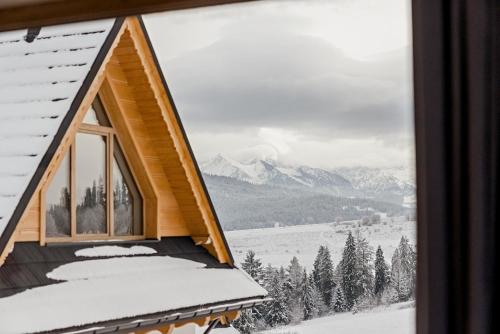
x=396, y=272
x=323, y=275
x=337, y=273
x=308, y=298
x=295, y=273
x=65, y=198
x=277, y=312
x=253, y=267
x=101, y=193
x=269, y=274
x=294, y=284
x=285, y=283
x=364, y=269
x=409, y=265
x=245, y=324
x=94, y=194
x=87, y=199
x=327, y=281
x=403, y=270
x=338, y=303
x=381, y=273
x=349, y=273
x=317, y=266
x=282, y=274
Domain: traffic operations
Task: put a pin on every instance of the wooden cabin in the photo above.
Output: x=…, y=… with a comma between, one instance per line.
x=105, y=222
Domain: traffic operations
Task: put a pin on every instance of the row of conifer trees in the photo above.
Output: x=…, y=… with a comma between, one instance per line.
x=361, y=279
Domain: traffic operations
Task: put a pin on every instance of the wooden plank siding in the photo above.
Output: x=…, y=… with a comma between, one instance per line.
x=181, y=170
x=131, y=90
x=164, y=217
x=178, y=207
x=29, y=227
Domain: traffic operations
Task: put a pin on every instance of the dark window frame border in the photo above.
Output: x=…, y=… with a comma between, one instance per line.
x=457, y=127
x=113, y=154
x=456, y=86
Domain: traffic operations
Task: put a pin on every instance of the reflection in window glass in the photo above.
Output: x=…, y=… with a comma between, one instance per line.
x=90, y=184
x=57, y=203
x=126, y=199
x=123, y=203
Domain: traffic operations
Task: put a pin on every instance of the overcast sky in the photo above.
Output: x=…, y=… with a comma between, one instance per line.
x=325, y=83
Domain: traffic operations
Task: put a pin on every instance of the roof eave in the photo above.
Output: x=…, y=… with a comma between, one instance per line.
x=153, y=321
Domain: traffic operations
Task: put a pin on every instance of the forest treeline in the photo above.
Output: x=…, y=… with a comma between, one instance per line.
x=248, y=206
x=362, y=279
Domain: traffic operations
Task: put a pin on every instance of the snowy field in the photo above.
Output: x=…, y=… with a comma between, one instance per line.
x=278, y=245
x=394, y=319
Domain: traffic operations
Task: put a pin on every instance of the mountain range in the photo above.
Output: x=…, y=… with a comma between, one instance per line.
x=261, y=193
x=394, y=185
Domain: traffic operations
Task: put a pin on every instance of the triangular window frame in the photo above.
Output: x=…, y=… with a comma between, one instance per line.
x=130, y=207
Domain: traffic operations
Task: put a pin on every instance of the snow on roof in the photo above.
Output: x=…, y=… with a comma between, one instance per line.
x=105, y=289
x=38, y=83
x=103, y=251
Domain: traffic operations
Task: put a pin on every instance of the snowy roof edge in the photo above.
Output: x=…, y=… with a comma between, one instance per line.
x=152, y=321
x=10, y=227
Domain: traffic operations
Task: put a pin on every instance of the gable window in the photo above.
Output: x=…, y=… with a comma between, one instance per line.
x=93, y=193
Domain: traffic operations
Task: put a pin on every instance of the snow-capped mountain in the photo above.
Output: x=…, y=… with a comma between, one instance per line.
x=222, y=166
x=259, y=193
x=382, y=183
x=262, y=172
x=256, y=171
x=379, y=179
x=387, y=184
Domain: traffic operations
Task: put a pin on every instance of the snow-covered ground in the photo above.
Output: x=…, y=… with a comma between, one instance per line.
x=278, y=245
x=394, y=319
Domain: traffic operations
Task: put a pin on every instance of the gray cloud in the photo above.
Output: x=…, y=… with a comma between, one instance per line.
x=286, y=78
x=261, y=77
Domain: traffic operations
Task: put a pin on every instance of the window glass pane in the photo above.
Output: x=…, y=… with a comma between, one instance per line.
x=91, y=117
x=123, y=203
x=307, y=153
x=90, y=172
x=58, y=204
x=127, y=201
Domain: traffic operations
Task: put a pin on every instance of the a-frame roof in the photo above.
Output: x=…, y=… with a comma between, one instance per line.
x=43, y=86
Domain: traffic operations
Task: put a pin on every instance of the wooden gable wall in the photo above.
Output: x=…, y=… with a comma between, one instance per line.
x=125, y=81
x=187, y=182
x=143, y=115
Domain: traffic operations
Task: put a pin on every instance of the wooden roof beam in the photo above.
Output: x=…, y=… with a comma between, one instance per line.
x=16, y=14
